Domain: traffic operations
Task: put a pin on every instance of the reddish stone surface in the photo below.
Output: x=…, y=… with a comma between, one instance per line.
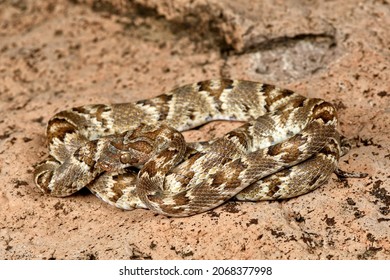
x=60, y=54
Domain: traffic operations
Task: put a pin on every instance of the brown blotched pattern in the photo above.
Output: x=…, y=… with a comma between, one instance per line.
x=134, y=156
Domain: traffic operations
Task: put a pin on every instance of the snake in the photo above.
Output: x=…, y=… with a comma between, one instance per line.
x=134, y=155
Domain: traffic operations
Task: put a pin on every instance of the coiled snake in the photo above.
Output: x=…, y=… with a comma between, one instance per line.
x=133, y=155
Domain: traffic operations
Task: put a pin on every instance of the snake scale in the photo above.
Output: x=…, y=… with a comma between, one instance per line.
x=133, y=155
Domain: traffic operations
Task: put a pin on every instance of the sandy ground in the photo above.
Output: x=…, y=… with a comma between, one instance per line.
x=60, y=54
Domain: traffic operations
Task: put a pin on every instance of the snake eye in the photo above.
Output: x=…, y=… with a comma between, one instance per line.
x=125, y=158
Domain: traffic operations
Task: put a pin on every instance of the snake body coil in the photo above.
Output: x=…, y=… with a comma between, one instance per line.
x=133, y=155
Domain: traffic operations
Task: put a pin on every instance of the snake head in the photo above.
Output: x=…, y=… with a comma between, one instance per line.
x=113, y=155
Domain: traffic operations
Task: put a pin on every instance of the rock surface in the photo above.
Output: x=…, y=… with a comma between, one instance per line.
x=60, y=54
